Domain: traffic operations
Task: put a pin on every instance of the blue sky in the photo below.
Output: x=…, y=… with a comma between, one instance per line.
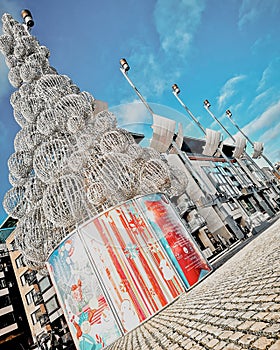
x=225, y=51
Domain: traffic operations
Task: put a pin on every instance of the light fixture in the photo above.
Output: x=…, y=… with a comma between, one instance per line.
x=27, y=17
x=175, y=89
x=207, y=104
x=228, y=112
x=124, y=64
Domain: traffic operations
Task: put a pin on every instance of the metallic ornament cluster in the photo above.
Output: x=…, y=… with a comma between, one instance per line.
x=70, y=163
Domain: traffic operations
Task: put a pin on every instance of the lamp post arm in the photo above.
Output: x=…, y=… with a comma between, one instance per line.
x=237, y=127
x=252, y=144
x=189, y=113
x=137, y=91
x=221, y=125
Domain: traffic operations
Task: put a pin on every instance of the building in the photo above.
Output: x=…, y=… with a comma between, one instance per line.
x=225, y=202
x=14, y=331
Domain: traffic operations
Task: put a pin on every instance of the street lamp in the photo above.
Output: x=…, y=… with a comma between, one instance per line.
x=207, y=105
x=176, y=92
x=124, y=67
x=27, y=17
x=229, y=115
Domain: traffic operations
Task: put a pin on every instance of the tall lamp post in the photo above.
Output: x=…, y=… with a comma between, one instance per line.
x=176, y=91
x=220, y=206
x=229, y=115
x=124, y=68
x=207, y=106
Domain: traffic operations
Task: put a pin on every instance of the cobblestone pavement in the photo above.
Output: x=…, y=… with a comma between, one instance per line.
x=236, y=307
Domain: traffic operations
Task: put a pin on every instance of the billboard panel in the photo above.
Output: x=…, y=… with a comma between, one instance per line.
x=86, y=308
x=173, y=236
x=122, y=267
x=133, y=266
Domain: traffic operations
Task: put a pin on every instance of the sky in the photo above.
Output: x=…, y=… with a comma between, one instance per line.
x=225, y=51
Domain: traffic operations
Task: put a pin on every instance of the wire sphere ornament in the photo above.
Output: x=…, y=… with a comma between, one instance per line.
x=156, y=173
x=48, y=122
x=31, y=71
x=134, y=150
x=53, y=87
x=14, y=77
x=35, y=228
x=115, y=141
x=105, y=121
x=77, y=160
x=75, y=123
x=11, y=61
x=118, y=175
x=73, y=105
x=6, y=44
x=20, y=163
x=28, y=138
x=34, y=189
x=19, y=118
x=8, y=23
x=30, y=107
x=88, y=98
x=64, y=201
x=51, y=158
x=14, y=202
x=97, y=193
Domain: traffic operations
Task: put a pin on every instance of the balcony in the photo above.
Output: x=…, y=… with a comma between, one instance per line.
x=185, y=206
x=31, y=278
x=196, y=223
x=44, y=320
x=38, y=299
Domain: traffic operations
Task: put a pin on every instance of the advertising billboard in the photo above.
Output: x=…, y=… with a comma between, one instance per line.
x=123, y=266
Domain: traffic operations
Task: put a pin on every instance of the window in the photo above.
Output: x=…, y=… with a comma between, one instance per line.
x=23, y=280
x=19, y=262
x=52, y=305
x=34, y=318
x=3, y=283
x=45, y=284
x=5, y=300
x=29, y=297
x=6, y=320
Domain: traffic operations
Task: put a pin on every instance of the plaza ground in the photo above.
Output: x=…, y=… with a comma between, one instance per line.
x=236, y=307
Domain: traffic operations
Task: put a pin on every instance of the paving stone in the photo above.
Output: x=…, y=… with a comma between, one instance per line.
x=258, y=326
x=236, y=307
x=245, y=325
x=262, y=343
x=220, y=345
x=213, y=342
x=275, y=346
x=247, y=339
x=273, y=329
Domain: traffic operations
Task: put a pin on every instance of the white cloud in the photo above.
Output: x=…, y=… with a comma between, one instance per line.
x=271, y=73
x=261, y=98
x=251, y=10
x=271, y=134
x=266, y=120
x=176, y=23
x=160, y=65
x=228, y=90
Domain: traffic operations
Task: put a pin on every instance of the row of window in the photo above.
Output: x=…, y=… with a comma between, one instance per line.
x=51, y=305
x=7, y=320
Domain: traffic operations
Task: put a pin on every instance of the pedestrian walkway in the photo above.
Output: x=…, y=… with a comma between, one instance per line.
x=236, y=307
